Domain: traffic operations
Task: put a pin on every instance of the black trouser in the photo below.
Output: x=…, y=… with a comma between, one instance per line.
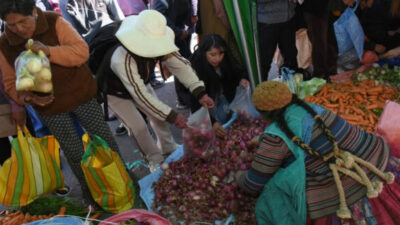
x=91, y=118
x=281, y=34
x=184, y=50
x=324, y=48
x=5, y=149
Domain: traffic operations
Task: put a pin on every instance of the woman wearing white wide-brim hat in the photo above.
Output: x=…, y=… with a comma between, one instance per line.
x=146, y=39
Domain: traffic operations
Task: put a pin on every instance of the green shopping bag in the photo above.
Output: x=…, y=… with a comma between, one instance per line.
x=105, y=174
x=30, y=172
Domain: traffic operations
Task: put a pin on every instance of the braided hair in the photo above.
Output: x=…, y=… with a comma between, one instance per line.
x=278, y=116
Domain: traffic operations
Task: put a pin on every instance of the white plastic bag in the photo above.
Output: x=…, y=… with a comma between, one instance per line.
x=33, y=71
x=199, y=135
x=243, y=103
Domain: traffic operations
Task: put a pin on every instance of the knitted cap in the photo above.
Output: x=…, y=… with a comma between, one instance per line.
x=271, y=95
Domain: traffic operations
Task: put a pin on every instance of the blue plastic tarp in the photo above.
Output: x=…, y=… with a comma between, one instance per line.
x=59, y=221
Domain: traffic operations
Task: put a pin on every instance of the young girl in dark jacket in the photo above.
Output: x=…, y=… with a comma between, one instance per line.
x=221, y=74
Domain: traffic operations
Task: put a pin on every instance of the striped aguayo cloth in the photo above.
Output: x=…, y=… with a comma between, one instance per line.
x=321, y=192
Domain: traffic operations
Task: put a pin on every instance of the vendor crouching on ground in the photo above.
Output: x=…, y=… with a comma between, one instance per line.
x=301, y=164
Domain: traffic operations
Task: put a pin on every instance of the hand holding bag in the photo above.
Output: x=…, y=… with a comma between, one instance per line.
x=243, y=103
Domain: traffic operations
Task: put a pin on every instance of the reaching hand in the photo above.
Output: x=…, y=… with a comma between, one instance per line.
x=206, y=102
x=380, y=48
x=395, y=52
x=180, y=121
x=33, y=99
x=219, y=130
x=37, y=45
x=239, y=173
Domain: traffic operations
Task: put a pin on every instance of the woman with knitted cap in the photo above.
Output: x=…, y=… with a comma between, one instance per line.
x=144, y=40
x=312, y=167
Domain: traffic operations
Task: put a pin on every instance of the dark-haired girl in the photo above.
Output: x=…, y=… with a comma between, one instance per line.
x=311, y=165
x=221, y=74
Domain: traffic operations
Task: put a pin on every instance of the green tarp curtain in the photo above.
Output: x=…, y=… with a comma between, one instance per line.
x=243, y=20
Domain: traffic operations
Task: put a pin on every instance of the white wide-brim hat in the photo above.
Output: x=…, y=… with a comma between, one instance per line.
x=147, y=34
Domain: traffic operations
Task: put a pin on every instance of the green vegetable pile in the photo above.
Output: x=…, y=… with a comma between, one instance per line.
x=47, y=205
x=382, y=75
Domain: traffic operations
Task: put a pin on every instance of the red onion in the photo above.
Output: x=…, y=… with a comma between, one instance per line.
x=202, y=188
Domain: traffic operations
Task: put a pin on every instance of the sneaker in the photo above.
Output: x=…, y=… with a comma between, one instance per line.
x=112, y=117
x=180, y=105
x=121, y=130
x=156, y=83
x=64, y=191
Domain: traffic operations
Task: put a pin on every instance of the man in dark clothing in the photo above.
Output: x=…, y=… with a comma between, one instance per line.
x=276, y=27
x=380, y=27
x=319, y=20
x=181, y=17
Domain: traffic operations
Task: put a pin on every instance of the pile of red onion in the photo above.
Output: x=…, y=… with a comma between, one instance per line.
x=196, y=140
x=203, y=189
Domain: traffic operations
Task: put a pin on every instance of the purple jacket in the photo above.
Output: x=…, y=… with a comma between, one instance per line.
x=132, y=7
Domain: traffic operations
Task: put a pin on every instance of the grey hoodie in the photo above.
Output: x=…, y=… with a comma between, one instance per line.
x=275, y=11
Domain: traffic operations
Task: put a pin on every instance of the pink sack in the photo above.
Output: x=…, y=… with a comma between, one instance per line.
x=140, y=215
x=389, y=126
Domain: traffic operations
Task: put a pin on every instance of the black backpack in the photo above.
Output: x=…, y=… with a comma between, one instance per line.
x=101, y=48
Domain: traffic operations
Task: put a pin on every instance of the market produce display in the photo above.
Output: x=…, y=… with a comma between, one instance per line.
x=33, y=71
x=358, y=102
x=18, y=217
x=382, y=75
x=204, y=189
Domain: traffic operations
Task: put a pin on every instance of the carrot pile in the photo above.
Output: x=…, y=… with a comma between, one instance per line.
x=18, y=217
x=355, y=101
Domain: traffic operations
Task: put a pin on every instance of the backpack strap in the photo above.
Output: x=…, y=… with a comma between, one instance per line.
x=108, y=82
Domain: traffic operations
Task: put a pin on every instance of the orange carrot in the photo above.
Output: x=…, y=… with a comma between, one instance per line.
x=95, y=216
x=362, y=122
x=62, y=210
x=358, y=98
x=371, y=118
x=331, y=105
x=27, y=217
x=34, y=218
x=351, y=117
x=16, y=220
x=357, y=110
x=355, y=90
x=378, y=89
x=373, y=106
